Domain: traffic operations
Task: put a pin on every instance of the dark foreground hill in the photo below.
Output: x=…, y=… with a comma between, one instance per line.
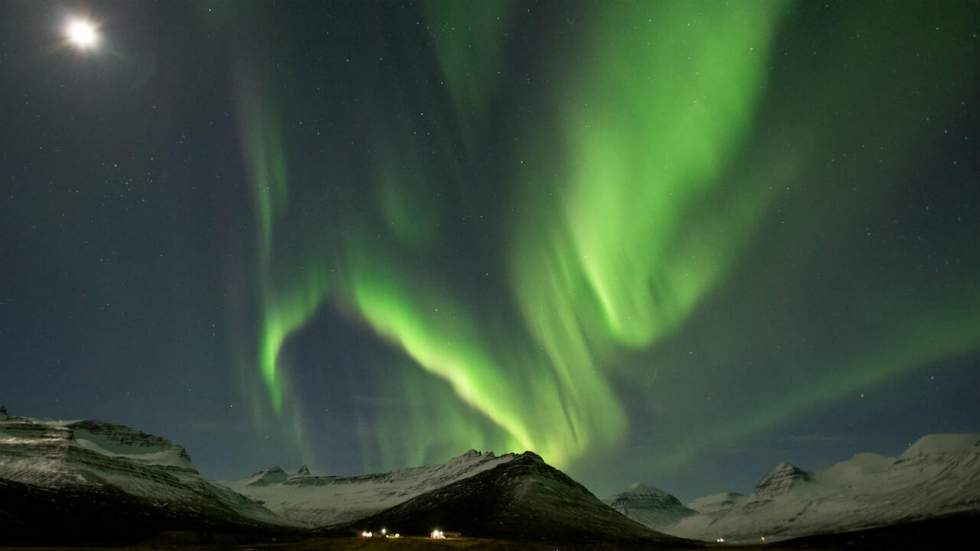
x=524, y=499
x=108, y=516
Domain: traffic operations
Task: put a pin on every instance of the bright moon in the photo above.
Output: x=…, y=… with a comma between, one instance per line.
x=82, y=34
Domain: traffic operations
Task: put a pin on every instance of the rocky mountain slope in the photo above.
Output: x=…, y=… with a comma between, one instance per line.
x=936, y=477
x=521, y=499
x=102, y=482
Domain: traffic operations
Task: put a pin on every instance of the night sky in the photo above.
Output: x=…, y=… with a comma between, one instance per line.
x=668, y=242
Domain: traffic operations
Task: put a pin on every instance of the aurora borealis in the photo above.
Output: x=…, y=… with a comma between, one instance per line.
x=675, y=237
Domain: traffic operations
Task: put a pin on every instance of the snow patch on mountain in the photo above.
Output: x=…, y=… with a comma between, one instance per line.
x=271, y=475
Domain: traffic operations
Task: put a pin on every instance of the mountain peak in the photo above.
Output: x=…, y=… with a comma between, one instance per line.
x=786, y=468
x=780, y=479
x=121, y=439
x=931, y=444
x=473, y=454
x=639, y=488
x=646, y=496
x=650, y=506
x=533, y=456
x=102, y=437
x=269, y=475
x=521, y=499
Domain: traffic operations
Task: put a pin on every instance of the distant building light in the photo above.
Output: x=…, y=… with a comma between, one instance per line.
x=384, y=531
x=366, y=534
x=762, y=539
x=393, y=536
x=437, y=534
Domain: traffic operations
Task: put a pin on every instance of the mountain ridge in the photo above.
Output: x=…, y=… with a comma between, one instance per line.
x=75, y=482
x=649, y=506
x=937, y=476
x=324, y=500
x=524, y=499
x=80, y=475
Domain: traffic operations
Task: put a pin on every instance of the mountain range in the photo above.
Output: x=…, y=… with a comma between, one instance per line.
x=93, y=482
x=938, y=476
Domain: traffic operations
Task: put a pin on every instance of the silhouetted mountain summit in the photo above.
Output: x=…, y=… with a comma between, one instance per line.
x=521, y=499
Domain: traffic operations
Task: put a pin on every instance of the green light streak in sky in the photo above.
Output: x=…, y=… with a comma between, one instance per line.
x=611, y=248
x=604, y=256
x=263, y=149
x=429, y=424
x=946, y=330
x=648, y=134
x=900, y=324
x=440, y=339
x=601, y=257
x=284, y=313
x=441, y=336
x=647, y=150
x=287, y=301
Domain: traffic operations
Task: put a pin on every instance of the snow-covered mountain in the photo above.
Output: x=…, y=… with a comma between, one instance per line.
x=514, y=496
x=649, y=506
x=783, y=479
x=937, y=476
x=95, y=482
x=329, y=500
x=521, y=499
x=91, y=481
x=97, y=466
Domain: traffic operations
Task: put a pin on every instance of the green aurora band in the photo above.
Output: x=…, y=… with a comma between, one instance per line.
x=609, y=253
x=285, y=306
x=613, y=261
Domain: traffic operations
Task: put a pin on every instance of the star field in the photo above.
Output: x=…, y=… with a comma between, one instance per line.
x=687, y=239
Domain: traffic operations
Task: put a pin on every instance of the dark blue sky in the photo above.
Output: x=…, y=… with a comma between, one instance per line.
x=134, y=286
